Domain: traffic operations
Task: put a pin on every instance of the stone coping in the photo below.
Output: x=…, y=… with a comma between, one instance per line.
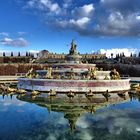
x=74, y=64
x=69, y=80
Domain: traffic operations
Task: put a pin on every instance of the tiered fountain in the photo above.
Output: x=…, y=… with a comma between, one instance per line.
x=74, y=76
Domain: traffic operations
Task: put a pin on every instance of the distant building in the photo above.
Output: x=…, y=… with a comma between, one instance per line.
x=46, y=56
x=43, y=53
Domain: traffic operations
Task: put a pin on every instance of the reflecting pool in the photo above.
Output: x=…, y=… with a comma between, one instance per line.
x=26, y=117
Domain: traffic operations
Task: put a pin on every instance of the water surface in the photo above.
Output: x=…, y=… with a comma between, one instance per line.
x=43, y=119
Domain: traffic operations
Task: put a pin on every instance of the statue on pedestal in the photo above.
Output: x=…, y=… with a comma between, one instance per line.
x=30, y=73
x=73, y=48
x=114, y=74
x=49, y=73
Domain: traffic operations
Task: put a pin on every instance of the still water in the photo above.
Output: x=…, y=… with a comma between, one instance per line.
x=63, y=118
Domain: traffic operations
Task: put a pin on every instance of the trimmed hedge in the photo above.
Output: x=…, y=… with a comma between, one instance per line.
x=123, y=69
x=13, y=69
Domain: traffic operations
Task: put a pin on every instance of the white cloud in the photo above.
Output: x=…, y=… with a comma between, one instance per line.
x=85, y=134
x=117, y=24
x=7, y=102
x=84, y=11
x=82, y=122
x=119, y=5
x=54, y=7
x=44, y=5
x=115, y=51
x=30, y=3
x=19, y=42
x=117, y=20
x=51, y=137
x=8, y=53
x=108, y=1
x=88, y=8
x=105, y=18
x=138, y=17
x=34, y=51
x=80, y=22
x=67, y=3
x=72, y=23
x=4, y=34
x=21, y=33
x=6, y=40
x=115, y=16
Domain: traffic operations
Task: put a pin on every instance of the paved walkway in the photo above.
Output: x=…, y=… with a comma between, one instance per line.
x=135, y=79
x=8, y=79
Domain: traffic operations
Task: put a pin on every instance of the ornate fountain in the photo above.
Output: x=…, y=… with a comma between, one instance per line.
x=73, y=76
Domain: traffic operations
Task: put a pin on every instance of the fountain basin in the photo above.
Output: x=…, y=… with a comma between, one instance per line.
x=65, y=85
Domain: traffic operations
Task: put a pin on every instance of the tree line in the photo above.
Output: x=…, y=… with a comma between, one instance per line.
x=28, y=54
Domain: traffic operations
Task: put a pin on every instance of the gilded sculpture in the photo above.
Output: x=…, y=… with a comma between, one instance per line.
x=114, y=74
x=73, y=48
x=49, y=73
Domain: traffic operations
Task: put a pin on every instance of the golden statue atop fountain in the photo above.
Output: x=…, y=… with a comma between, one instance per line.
x=73, y=50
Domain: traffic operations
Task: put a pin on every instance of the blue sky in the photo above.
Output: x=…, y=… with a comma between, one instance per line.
x=52, y=24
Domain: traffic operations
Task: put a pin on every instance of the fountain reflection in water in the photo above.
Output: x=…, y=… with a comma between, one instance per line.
x=74, y=105
x=76, y=117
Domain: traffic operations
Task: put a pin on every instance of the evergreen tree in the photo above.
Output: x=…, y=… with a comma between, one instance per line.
x=32, y=55
x=111, y=55
x=27, y=54
x=18, y=53
x=139, y=54
x=4, y=54
x=11, y=53
x=118, y=55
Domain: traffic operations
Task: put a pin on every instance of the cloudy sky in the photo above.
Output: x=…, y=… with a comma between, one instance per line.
x=52, y=24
